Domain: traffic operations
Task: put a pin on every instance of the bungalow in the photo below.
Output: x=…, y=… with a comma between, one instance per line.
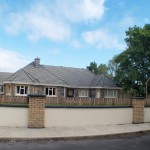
x=57, y=81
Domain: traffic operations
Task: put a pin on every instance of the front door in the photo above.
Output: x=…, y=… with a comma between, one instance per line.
x=70, y=92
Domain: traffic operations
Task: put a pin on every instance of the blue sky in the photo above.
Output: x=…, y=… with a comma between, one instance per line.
x=69, y=33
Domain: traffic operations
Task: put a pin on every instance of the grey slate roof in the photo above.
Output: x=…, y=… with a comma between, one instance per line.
x=4, y=75
x=58, y=75
x=103, y=81
x=72, y=76
x=32, y=74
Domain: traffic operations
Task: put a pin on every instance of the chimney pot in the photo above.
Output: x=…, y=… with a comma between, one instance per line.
x=37, y=62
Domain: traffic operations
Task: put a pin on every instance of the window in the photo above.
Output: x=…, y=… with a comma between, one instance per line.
x=50, y=91
x=111, y=94
x=1, y=89
x=22, y=90
x=83, y=93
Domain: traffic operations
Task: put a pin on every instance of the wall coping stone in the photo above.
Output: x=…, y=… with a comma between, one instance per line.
x=37, y=95
x=138, y=98
x=90, y=107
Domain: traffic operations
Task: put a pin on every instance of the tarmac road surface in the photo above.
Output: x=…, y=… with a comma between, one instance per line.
x=134, y=142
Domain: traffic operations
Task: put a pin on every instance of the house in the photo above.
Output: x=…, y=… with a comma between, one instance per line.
x=57, y=81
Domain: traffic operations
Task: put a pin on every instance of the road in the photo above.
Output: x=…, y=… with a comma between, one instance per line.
x=138, y=142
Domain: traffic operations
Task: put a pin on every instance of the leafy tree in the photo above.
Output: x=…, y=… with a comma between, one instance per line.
x=102, y=69
x=93, y=67
x=133, y=65
x=112, y=67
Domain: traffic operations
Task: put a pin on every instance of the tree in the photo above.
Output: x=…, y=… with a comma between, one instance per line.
x=102, y=69
x=112, y=67
x=93, y=67
x=133, y=65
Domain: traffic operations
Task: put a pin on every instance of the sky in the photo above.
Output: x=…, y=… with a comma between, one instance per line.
x=69, y=33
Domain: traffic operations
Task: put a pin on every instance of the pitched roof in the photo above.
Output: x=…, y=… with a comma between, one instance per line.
x=35, y=73
x=103, y=81
x=72, y=76
x=4, y=75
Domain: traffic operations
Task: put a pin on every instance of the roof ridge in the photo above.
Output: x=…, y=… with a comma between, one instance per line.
x=55, y=75
x=14, y=74
x=66, y=67
x=94, y=79
x=103, y=76
x=100, y=80
x=29, y=75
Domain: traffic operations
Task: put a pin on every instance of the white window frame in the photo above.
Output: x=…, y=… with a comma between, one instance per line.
x=1, y=89
x=19, y=89
x=53, y=91
x=83, y=93
x=112, y=95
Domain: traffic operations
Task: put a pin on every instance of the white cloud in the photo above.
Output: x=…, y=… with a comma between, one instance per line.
x=38, y=22
x=11, y=61
x=52, y=19
x=102, y=39
x=82, y=10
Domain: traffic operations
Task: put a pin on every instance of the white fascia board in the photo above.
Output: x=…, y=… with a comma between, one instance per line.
x=42, y=84
x=67, y=86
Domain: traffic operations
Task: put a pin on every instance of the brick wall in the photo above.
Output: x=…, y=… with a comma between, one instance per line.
x=36, y=112
x=138, y=110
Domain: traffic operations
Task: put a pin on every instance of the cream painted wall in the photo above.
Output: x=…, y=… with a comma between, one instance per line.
x=61, y=117
x=68, y=117
x=13, y=116
x=147, y=114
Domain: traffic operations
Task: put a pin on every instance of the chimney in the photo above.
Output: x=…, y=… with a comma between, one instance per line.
x=37, y=62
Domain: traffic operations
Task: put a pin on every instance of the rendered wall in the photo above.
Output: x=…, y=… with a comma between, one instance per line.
x=61, y=117
x=147, y=114
x=13, y=116
x=68, y=117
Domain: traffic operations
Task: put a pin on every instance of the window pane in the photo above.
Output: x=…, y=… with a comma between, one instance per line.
x=46, y=91
x=18, y=89
x=54, y=91
x=22, y=91
x=26, y=88
x=84, y=92
x=50, y=91
x=1, y=89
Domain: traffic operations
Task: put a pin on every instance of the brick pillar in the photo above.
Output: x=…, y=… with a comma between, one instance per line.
x=138, y=110
x=36, y=116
